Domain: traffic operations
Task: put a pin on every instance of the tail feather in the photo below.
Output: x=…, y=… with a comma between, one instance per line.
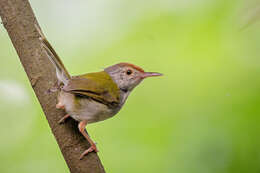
x=61, y=72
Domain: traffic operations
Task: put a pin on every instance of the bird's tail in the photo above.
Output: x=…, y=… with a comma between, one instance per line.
x=61, y=72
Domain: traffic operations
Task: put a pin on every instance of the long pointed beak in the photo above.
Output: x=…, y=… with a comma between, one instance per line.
x=151, y=74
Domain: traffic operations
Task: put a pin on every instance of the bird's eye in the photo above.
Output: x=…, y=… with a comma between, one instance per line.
x=129, y=72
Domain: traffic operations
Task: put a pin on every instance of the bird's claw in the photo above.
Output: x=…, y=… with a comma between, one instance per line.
x=89, y=150
x=62, y=120
x=60, y=106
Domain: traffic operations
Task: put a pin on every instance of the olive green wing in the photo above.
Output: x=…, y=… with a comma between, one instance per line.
x=98, y=86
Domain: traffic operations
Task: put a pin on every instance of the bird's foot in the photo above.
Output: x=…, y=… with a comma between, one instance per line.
x=60, y=106
x=52, y=90
x=62, y=120
x=89, y=150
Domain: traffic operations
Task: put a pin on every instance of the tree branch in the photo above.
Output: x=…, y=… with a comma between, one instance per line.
x=18, y=19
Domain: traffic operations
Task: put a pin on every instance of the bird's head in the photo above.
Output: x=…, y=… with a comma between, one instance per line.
x=127, y=76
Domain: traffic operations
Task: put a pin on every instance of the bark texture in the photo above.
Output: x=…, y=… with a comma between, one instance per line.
x=18, y=19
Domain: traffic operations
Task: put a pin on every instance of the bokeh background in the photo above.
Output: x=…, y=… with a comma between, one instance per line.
x=203, y=116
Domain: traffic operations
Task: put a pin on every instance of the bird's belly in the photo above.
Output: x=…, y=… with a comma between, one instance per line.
x=92, y=111
x=85, y=109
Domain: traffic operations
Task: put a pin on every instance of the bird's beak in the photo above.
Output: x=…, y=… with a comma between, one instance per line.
x=150, y=74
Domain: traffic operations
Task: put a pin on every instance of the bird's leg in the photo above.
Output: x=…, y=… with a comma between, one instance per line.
x=62, y=120
x=93, y=147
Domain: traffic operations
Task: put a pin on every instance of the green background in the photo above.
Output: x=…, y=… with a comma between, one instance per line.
x=202, y=116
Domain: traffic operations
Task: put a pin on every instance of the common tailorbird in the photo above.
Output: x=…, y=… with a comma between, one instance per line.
x=93, y=97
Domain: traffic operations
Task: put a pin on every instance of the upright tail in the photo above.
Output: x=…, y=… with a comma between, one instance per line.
x=61, y=72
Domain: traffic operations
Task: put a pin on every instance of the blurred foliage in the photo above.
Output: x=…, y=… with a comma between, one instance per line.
x=202, y=116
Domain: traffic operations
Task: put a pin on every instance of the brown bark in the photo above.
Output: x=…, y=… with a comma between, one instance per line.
x=18, y=19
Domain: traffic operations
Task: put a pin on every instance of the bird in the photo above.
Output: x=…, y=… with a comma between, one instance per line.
x=93, y=97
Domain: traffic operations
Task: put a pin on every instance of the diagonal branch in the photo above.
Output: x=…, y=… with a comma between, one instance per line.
x=18, y=19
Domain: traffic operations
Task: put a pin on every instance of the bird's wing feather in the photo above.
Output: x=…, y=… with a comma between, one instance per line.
x=98, y=86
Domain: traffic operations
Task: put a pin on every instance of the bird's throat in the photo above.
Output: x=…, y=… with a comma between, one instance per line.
x=123, y=96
